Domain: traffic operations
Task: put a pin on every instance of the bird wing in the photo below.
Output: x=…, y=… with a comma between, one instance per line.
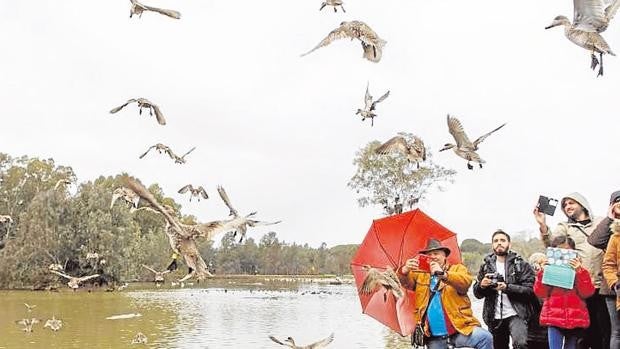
x=170, y=13
x=395, y=144
x=456, y=130
x=24, y=322
x=202, y=192
x=115, y=195
x=611, y=9
x=253, y=223
x=393, y=282
x=484, y=136
x=367, y=98
x=114, y=110
x=589, y=15
x=322, y=343
x=276, y=340
x=147, y=151
x=149, y=268
x=371, y=281
x=381, y=99
x=189, y=151
x=336, y=34
x=211, y=229
x=185, y=189
x=84, y=278
x=158, y=115
x=419, y=147
x=61, y=274
x=226, y=200
x=372, y=53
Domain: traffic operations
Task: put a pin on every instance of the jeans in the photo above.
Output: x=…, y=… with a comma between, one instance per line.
x=478, y=339
x=563, y=338
x=614, y=316
x=513, y=327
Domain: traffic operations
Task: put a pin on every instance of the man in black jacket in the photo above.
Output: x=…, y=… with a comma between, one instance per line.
x=506, y=283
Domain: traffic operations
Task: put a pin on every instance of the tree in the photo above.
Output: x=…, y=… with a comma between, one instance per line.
x=390, y=181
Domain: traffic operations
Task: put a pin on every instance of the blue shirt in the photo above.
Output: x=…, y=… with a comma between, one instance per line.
x=435, y=314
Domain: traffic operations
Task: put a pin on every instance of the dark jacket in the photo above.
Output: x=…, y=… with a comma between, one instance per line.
x=600, y=239
x=519, y=287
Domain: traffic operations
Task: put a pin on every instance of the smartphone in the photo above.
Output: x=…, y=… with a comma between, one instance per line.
x=424, y=262
x=547, y=205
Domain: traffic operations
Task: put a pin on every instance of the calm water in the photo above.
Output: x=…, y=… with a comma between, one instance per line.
x=222, y=314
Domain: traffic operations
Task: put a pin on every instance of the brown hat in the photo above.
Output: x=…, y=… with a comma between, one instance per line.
x=434, y=245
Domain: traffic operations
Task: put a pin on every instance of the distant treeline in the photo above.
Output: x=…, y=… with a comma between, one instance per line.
x=52, y=227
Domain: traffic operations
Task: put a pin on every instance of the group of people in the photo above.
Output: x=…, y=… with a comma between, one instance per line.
x=518, y=306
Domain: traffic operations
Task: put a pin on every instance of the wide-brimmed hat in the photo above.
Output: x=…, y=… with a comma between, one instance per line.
x=435, y=245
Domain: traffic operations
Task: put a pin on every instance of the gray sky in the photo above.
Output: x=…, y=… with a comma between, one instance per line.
x=279, y=131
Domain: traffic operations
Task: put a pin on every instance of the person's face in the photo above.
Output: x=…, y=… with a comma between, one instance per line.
x=616, y=208
x=574, y=210
x=565, y=246
x=500, y=244
x=438, y=256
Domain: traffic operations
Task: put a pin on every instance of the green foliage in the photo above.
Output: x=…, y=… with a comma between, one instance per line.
x=379, y=179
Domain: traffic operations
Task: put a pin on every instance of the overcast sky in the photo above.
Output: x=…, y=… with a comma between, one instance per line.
x=279, y=132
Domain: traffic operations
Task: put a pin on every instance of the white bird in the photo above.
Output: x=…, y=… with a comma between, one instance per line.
x=126, y=194
x=334, y=3
x=241, y=223
x=372, y=44
x=161, y=148
x=464, y=147
x=414, y=151
x=370, y=106
x=137, y=8
x=27, y=323
x=290, y=342
x=159, y=275
x=591, y=17
x=195, y=192
x=386, y=279
x=54, y=324
x=30, y=307
x=143, y=103
x=74, y=282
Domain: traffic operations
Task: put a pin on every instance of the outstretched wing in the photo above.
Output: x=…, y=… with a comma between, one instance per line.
x=276, y=340
x=61, y=274
x=114, y=110
x=202, y=192
x=158, y=115
x=589, y=15
x=189, y=151
x=84, y=278
x=253, y=223
x=456, y=130
x=185, y=189
x=371, y=281
x=322, y=343
x=170, y=13
x=147, y=151
x=612, y=8
x=367, y=98
x=338, y=33
x=149, y=268
x=380, y=99
x=395, y=144
x=484, y=136
x=226, y=200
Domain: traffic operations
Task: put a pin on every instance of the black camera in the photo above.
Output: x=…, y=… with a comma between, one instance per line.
x=547, y=205
x=495, y=278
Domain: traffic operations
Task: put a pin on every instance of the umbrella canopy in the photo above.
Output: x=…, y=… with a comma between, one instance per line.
x=390, y=242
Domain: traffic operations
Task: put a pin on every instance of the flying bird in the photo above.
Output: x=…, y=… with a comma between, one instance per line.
x=464, y=147
x=27, y=323
x=159, y=275
x=74, y=282
x=140, y=338
x=334, y=3
x=372, y=44
x=386, y=279
x=161, y=148
x=414, y=151
x=181, y=159
x=126, y=194
x=54, y=324
x=290, y=342
x=242, y=222
x=137, y=8
x=591, y=17
x=143, y=103
x=370, y=106
x=30, y=307
x=199, y=192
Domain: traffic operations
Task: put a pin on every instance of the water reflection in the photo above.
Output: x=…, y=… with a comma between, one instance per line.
x=226, y=314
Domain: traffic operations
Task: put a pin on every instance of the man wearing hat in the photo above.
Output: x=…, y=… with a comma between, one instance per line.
x=579, y=226
x=441, y=301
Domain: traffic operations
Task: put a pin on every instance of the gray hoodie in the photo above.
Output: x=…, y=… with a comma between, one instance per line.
x=592, y=257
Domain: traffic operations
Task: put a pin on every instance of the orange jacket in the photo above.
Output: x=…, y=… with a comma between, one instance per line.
x=454, y=299
x=611, y=260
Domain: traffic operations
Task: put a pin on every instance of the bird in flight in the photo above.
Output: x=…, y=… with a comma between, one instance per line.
x=198, y=192
x=137, y=8
x=372, y=44
x=143, y=103
x=415, y=151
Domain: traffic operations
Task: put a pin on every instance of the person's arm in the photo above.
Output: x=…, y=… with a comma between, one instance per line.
x=542, y=227
x=524, y=287
x=583, y=283
x=601, y=234
x=541, y=290
x=481, y=291
x=459, y=278
x=406, y=273
x=610, y=262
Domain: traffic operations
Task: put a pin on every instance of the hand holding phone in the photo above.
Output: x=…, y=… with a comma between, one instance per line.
x=424, y=263
x=546, y=205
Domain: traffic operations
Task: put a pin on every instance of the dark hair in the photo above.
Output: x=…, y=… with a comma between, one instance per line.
x=561, y=239
x=499, y=231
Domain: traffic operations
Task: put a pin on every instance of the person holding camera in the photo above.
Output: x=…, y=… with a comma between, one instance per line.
x=506, y=283
x=441, y=302
x=564, y=311
x=579, y=226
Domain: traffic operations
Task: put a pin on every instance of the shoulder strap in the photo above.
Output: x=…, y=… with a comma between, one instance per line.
x=581, y=230
x=433, y=292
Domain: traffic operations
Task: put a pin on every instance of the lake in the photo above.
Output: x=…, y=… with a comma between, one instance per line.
x=225, y=313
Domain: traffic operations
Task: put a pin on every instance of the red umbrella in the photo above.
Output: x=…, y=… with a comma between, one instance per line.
x=390, y=242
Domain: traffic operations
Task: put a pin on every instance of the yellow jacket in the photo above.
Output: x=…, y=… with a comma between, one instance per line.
x=611, y=260
x=454, y=299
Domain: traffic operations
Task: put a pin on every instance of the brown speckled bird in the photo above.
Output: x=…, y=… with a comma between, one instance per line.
x=143, y=103
x=137, y=8
x=372, y=44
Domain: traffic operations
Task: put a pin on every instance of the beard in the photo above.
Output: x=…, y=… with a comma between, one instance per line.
x=576, y=214
x=500, y=253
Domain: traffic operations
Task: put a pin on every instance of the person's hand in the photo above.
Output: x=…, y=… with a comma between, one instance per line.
x=540, y=217
x=410, y=264
x=501, y=286
x=435, y=267
x=485, y=282
x=575, y=263
x=543, y=262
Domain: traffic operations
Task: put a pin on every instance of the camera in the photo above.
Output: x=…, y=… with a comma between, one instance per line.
x=495, y=278
x=547, y=205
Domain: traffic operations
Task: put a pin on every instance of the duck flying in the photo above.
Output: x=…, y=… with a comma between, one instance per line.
x=54, y=324
x=74, y=282
x=386, y=279
x=143, y=103
x=290, y=342
x=590, y=18
x=137, y=8
x=414, y=151
x=126, y=194
x=161, y=148
x=372, y=44
x=334, y=3
x=370, y=106
x=199, y=192
x=464, y=147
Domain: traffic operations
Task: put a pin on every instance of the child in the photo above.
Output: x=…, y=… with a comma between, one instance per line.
x=564, y=311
